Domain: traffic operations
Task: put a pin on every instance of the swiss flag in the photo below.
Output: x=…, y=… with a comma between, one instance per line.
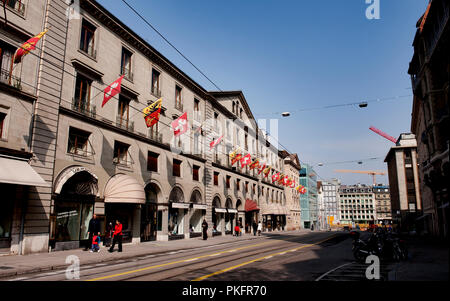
x=275, y=177
x=286, y=181
x=180, y=125
x=214, y=143
x=293, y=184
x=246, y=160
x=112, y=90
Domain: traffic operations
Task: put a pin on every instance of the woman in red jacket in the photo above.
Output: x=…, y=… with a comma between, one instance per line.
x=117, y=236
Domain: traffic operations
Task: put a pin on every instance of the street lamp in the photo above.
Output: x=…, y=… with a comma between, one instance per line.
x=286, y=114
x=363, y=105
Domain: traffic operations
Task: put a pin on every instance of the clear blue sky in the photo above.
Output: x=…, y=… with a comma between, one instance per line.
x=293, y=54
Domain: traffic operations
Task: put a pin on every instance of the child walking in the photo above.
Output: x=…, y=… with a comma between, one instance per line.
x=95, y=243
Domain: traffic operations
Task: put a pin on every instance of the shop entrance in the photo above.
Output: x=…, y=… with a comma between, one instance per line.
x=149, y=214
x=74, y=208
x=6, y=214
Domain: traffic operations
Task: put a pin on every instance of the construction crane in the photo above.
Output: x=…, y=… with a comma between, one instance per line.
x=372, y=173
x=382, y=134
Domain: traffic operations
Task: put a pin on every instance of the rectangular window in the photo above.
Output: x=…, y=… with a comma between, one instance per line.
x=125, y=67
x=123, y=111
x=152, y=161
x=246, y=187
x=195, y=173
x=6, y=55
x=176, y=168
x=156, y=86
x=16, y=5
x=238, y=184
x=87, y=41
x=121, y=153
x=178, y=99
x=197, y=114
x=78, y=142
x=2, y=121
x=228, y=181
x=216, y=179
x=82, y=98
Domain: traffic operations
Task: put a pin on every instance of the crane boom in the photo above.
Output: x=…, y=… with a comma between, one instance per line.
x=383, y=134
x=370, y=172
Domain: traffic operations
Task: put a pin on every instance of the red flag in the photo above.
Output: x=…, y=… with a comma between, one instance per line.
x=27, y=47
x=246, y=160
x=112, y=90
x=293, y=184
x=236, y=158
x=286, y=181
x=180, y=125
x=214, y=143
x=261, y=168
x=152, y=113
x=254, y=164
x=275, y=177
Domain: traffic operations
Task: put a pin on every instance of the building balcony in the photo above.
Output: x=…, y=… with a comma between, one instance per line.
x=155, y=136
x=84, y=108
x=127, y=74
x=179, y=106
x=8, y=79
x=124, y=123
x=156, y=92
x=16, y=5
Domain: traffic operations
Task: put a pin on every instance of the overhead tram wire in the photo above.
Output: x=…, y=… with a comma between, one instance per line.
x=202, y=73
x=339, y=105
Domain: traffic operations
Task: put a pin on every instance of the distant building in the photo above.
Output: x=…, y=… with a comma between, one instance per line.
x=357, y=204
x=404, y=182
x=429, y=70
x=308, y=201
x=383, y=204
x=330, y=200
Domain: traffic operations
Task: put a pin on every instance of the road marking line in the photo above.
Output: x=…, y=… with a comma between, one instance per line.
x=170, y=263
x=331, y=271
x=19, y=279
x=258, y=259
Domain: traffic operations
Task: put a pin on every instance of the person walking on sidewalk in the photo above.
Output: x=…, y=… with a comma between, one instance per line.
x=259, y=228
x=237, y=230
x=205, y=229
x=117, y=237
x=255, y=228
x=93, y=229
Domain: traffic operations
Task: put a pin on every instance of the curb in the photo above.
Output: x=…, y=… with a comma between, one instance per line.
x=22, y=271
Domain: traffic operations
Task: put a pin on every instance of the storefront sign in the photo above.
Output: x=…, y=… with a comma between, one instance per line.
x=201, y=207
x=232, y=211
x=220, y=210
x=181, y=205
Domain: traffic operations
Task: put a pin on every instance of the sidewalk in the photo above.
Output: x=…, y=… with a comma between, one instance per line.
x=11, y=266
x=428, y=261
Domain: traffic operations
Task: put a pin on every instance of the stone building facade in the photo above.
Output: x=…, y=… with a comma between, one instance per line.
x=93, y=159
x=404, y=186
x=430, y=77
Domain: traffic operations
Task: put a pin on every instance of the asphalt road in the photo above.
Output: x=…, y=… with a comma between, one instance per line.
x=275, y=257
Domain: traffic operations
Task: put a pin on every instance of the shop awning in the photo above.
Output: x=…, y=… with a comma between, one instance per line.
x=251, y=206
x=124, y=189
x=19, y=172
x=181, y=205
x=200, y=206
x=221, y=210
x=232, y=211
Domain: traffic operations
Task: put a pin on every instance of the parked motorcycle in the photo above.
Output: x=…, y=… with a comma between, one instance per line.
x=387, y=246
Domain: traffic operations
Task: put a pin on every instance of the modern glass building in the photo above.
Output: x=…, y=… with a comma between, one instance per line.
x=308, y=201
